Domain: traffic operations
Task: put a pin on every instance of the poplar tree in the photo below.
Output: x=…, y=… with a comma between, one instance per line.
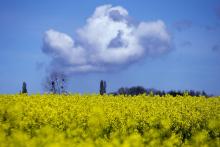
x=102, y=87
x=24, y=88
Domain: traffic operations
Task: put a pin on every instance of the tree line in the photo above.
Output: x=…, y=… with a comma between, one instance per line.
x=137, y=90
x=56, y=84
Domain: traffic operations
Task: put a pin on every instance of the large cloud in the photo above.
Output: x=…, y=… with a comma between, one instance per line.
x=108, y=41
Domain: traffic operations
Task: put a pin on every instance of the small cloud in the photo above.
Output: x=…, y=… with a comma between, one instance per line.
x=217, y=11
x=216, y=48
x=182, y=25
x=186, y=44
x=108, y=41
x=211, y=28
x=39, y=65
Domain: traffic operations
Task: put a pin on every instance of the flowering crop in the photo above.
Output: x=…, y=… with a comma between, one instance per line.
x=94, y=120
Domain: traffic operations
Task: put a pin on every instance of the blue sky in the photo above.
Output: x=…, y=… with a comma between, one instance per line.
x=193, y=62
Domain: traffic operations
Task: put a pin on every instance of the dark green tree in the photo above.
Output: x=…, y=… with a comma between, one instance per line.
x=24, y=88
x=102, y=87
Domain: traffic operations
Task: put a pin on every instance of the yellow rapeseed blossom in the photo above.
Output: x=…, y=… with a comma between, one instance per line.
x=107, y=120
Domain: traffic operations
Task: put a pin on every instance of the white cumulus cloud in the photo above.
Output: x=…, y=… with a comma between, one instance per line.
x=108, y=41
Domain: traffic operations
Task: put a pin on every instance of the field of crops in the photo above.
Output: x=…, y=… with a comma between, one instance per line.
x=94, y=120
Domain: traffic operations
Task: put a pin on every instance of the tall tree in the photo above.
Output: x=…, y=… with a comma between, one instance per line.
x=102, y=87
x=24, y=88
x=56, y=83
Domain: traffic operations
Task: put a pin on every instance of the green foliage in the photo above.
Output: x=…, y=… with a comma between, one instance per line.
x=102, y=87
x=24, y=88
x=103, y=120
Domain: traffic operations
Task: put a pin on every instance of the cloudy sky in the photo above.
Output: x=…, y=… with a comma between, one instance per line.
x=153, y=43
